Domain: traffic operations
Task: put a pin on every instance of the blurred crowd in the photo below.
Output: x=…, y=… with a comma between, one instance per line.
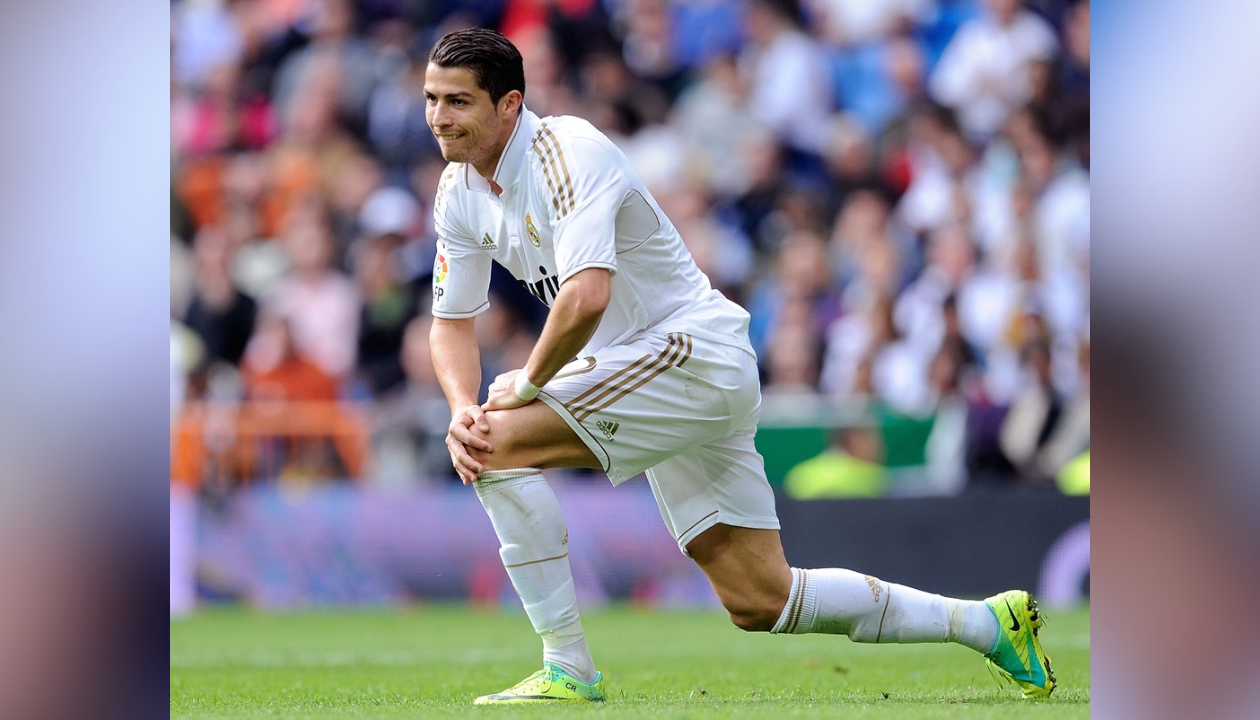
x=897, y=190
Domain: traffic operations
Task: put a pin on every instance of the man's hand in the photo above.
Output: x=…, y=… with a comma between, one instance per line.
x=460, y=437
x=502, y=395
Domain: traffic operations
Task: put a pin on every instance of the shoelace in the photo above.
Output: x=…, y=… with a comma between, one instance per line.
x=539, y=680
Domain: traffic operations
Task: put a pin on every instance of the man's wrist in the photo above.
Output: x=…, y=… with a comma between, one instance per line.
x=525, y=389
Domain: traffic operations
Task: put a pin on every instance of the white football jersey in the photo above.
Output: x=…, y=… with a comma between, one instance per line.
x=571, y=201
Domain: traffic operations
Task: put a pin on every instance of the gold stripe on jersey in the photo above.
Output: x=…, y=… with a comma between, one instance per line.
x=545, y=150
x=635, y=376
x=563, y=164
x=542, y=160
x=556, y=170
x=443, y=184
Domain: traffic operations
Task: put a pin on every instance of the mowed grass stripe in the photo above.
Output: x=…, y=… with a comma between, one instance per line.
x=429, y=662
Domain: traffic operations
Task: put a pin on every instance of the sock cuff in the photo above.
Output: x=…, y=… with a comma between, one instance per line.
x=799, y=599
x=498, y=479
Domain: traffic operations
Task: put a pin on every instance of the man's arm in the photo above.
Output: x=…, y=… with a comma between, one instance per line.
x=457, y=362
x=574, y=315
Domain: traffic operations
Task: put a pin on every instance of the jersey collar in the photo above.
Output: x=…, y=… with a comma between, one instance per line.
x=513, y=157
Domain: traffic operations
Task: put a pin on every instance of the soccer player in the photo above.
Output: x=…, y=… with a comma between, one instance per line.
x=664, y=382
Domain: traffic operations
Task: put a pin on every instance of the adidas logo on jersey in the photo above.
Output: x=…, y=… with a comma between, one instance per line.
x=487, y=243
x=608, y=428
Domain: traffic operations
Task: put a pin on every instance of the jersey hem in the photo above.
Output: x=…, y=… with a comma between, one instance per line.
x=610, y=267
x=461, y=316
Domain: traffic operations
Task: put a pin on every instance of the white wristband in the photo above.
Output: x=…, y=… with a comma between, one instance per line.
x=525, y=389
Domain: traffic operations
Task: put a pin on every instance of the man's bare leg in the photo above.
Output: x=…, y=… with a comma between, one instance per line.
x=761, y=592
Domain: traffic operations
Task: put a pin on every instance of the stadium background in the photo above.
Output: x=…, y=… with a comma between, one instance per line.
x=896, y=190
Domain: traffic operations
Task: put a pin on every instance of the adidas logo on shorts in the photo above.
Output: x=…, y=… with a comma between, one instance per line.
x=608, y=428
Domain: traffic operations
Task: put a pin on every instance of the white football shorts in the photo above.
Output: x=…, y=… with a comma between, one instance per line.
x=683, y=410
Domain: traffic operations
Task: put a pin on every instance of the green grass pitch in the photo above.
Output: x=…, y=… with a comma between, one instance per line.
x=431, y=661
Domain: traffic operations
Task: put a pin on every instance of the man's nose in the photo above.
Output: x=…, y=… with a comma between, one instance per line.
x=439, y=117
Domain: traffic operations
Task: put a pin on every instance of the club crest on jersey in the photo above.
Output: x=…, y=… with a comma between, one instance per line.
x=487, y=243
x=532, y=231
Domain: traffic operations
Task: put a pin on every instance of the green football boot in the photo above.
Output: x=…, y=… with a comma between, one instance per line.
x=550, y=683
x=1017, y=654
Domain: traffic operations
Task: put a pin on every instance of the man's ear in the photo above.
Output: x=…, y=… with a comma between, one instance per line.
x=510, y=102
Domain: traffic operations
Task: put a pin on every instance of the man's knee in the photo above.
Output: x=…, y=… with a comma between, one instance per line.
x=508, y=443
x=531, y=436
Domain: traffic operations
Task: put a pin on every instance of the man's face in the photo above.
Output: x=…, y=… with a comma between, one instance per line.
x=469, y=127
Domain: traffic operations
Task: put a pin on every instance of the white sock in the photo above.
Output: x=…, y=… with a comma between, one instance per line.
x=867, y=609
x=574, y=659
x=534, y=545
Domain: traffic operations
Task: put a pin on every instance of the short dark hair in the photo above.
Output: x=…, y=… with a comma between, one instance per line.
x=493, y=59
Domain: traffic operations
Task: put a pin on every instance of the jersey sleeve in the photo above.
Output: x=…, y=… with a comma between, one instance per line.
x=461, y=271
x=585, y=233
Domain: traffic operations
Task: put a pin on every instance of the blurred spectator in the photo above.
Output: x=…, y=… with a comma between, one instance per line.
x=945, y=452
x=785, y=68
x=411, y=419
x=183, y=276
x=983, y=73
x=359, y=179
x=389, y=302
x=801, y=283
x=705, y=29
x=763, y=156
x=1034, y=414
x=187, y=352
x=618, y=102
x=850, y=162
x=294, y=431
x=920, y=310
x=276, y=369
x=847, y=23
x=1059, y=216
x=850, y=467
x=311, y=154
x=896, y=370
x=714, y=124
x=863, y=252
x=720, y=251
x=545, y=81
x=205, y=36
x=1042, y=435
x=221, y=315
x=648, y=47
x=396, y=126
x=949, y=185
x=320, y=303
x=505, y=339
x=222, y=115
x=792, y=357
x=876, y=81
x=356, y=64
